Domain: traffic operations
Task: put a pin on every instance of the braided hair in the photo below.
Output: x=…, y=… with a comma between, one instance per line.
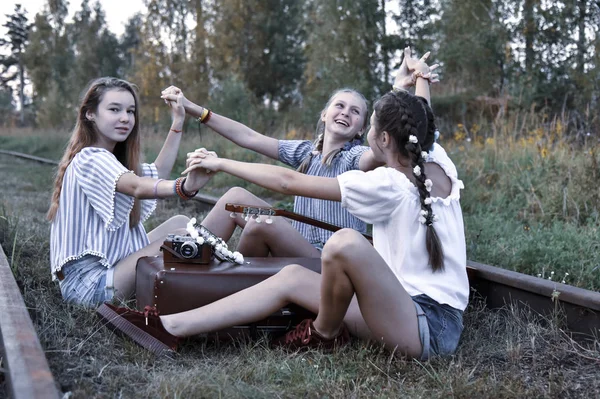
x=320, y=131
x=409, y=121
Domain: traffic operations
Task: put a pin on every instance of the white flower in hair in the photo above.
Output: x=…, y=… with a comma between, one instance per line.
x=422, y=219
x=427, y=201
x=424, y=154
x=200, y=240
x=417, y=170
x=413, y=139
x=428, y=184
x=424, y=212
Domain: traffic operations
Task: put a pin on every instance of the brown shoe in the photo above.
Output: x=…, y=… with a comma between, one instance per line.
x=145, y=328
x=304, y=336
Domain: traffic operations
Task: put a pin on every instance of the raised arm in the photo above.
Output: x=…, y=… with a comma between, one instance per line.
x=168, y=154
x=410, y=65
x=275, y=178
x=238, y=133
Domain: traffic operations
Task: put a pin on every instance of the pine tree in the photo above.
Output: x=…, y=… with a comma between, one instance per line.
x=18, y=36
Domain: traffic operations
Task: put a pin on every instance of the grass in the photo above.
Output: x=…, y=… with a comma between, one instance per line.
x=503, y=354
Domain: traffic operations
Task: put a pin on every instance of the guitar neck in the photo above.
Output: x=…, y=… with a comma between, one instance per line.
x=268, y=211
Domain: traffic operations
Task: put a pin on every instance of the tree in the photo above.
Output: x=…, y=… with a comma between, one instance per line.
x=49, y=59
x=96, y=48
x=342, y=50
x=262, y=43
x=18, y=33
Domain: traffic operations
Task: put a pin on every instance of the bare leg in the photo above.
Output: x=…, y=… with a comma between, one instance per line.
x=351, y=265
x=124, y=277
x=258, y=239
x=277, y=239
x=293, y=284
x=218, y=220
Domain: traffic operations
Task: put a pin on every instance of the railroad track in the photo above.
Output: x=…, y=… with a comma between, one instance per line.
x=29, y=376
x=26, y=368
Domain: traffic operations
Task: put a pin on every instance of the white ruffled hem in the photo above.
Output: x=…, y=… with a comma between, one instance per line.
x=102, y=257
x=109, y=223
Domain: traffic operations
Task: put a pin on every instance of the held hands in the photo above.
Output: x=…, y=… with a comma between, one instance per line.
x=175, y=101
x=202, y=159
x=198, y=175
x=410, y=66
x=170, y=95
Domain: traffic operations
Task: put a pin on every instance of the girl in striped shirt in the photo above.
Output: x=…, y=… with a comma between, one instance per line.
x=340, y=130
x=103, y=193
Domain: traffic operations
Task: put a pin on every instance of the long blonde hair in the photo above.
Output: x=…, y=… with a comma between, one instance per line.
x=320, y=131
x=85, y=135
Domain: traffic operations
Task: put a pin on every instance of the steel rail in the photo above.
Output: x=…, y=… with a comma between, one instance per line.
x=29, y=157
x=26, y=368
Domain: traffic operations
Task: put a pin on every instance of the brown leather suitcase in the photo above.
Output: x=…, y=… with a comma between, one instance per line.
x=180, y=287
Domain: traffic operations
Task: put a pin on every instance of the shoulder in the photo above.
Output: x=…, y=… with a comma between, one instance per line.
x=292, y=145
x=94, y=154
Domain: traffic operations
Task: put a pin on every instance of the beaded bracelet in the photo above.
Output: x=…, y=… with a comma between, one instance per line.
x=180, y=191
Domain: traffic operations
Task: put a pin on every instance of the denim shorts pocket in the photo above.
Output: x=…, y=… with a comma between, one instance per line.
x=448, y=338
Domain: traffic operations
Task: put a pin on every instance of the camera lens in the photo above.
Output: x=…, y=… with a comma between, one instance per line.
x=189, y=250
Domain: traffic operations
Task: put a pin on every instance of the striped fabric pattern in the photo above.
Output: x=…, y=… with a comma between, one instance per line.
x=292, y=153
x=93, y=218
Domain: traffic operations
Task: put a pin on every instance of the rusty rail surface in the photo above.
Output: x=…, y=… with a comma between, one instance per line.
x=499, y=287
x=26, y=370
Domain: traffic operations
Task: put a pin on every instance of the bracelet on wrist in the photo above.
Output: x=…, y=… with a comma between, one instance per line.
x=205, y=115
x=156, y=188
x=418, y=74
x=179, y=190
x=175, y=130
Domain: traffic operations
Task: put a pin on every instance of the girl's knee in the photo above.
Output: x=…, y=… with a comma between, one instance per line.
x=341, y=244
x=256, y=229
x=291, y=272
x=236, y=193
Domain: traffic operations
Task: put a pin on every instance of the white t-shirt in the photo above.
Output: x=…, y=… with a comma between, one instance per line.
x=386, y=198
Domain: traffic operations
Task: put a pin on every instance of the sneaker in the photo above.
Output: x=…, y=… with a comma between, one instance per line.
x=145, y=328
x=304, y=336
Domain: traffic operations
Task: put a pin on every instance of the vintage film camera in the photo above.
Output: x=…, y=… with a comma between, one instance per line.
x=185, y=249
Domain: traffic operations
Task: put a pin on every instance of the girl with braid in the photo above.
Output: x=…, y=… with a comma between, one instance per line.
x=337, y=149
x=408, y=290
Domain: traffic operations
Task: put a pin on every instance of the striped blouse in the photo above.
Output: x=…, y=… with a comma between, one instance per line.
x=292, y=153
x=93, y=218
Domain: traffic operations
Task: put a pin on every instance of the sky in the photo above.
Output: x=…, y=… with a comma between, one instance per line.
x=117, y=11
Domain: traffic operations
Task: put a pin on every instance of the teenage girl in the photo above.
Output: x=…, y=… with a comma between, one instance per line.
x=102, y=194
x=337, y=149
x=407, y=290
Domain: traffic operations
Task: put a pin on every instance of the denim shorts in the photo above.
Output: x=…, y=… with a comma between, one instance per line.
x=87, y=281
x=440, y=326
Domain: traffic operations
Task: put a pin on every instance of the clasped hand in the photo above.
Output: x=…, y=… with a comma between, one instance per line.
x=404, y=78
x=199, y=165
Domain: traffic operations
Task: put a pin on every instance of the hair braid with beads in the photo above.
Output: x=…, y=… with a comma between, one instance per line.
x=403, y=115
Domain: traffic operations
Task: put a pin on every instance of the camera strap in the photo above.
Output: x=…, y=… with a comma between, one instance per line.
x=171, y=251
